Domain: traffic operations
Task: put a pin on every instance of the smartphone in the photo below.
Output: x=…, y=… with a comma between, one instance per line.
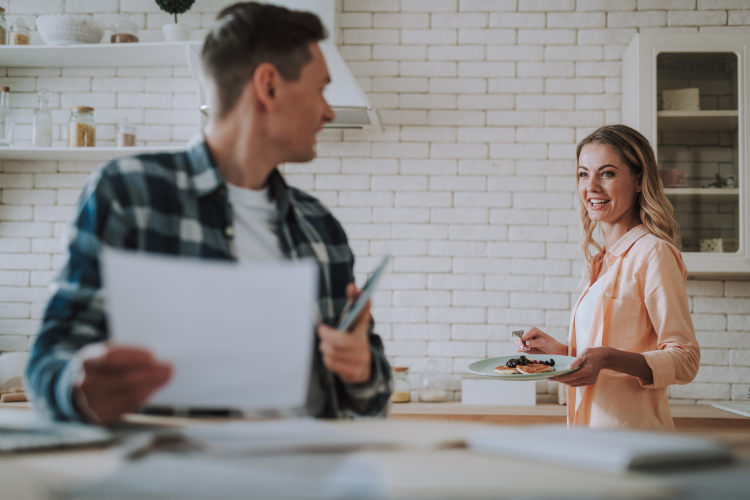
x=351, y=316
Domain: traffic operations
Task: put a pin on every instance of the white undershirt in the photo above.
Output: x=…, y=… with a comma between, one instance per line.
x=584, y=313
x=254, y=216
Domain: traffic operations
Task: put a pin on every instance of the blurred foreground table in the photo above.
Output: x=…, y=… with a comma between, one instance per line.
x=429, y=462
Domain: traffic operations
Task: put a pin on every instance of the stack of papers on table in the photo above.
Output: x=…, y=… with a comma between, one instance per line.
x=742, y=409
x=22, y=430
x=607, y=450
x=302, y=435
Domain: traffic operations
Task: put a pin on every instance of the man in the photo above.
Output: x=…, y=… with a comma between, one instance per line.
x=222, y=198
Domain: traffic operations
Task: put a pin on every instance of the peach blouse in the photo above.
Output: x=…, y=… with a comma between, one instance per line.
x=642, y=308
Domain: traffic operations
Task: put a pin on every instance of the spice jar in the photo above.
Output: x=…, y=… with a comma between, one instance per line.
x=124, y=30
x=19, y=33
x=401, y=386
x=7, y=121
x=125, y=135
x=433, y=384
x=3, y=26
x=81, y=127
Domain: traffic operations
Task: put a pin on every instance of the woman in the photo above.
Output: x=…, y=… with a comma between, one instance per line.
x=631, y=328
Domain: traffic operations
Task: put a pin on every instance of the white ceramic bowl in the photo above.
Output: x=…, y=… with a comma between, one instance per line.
x=69, y=29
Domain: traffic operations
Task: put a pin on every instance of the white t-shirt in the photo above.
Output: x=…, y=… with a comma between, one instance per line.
x=584, y=313
x=254, y=220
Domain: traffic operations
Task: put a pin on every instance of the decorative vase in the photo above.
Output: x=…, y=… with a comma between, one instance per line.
x=175, y=32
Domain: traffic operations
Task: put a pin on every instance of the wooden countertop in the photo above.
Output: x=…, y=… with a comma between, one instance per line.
x=686, y=418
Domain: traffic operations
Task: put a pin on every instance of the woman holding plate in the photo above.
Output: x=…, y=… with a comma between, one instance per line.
x=631, y=330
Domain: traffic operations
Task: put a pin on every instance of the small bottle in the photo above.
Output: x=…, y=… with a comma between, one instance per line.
x=125, y=135
x=41, y=125
x=19, y=33
x=81, y=127
x=433, y=384
x=401, y=386
x=6, y=118
x=124, y=30
x=3, y=26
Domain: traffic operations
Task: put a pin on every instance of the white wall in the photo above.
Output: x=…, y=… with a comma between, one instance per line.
x=470, y=184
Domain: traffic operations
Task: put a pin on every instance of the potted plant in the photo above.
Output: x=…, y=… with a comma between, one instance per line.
x=175, y=32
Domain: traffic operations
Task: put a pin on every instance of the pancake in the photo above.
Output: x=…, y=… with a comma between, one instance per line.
x=504, y=370
x=534, y=368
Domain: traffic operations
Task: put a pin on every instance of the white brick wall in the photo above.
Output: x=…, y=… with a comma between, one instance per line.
x=469, y=185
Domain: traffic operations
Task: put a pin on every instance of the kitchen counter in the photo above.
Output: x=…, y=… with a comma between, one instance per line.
x=686, y=418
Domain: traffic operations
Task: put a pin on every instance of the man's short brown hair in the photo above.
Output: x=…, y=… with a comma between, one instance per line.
x=248, y=34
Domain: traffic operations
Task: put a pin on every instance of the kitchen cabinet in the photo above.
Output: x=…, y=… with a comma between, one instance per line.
x=701, y=146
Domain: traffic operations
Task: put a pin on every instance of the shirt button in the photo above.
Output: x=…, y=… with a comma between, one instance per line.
x=608, y=295
x=229, y=231
x=611, y=256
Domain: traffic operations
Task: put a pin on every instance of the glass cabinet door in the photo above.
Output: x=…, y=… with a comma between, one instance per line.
x=697, y=144
x=688, y=94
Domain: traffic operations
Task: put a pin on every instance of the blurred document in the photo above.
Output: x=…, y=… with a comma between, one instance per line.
x=612, y=450
x=238, y=336
x=291, y=435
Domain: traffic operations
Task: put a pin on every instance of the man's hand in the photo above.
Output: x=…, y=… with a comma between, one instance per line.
x=116, y=380
x=347, y=354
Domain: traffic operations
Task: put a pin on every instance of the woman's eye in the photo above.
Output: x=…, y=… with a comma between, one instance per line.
x=581, y=174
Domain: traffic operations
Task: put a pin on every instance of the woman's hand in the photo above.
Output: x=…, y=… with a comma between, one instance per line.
x=535, y=341
x=591, y=361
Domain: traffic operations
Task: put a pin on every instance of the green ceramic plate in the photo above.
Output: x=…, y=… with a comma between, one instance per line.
x=486, y=367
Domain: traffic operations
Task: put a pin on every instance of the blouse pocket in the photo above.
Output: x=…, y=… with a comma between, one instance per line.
x=623, y=323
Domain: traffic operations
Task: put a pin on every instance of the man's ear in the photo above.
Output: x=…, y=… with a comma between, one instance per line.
x=265, y=80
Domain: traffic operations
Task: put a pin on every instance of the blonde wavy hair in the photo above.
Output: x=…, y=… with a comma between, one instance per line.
x=654, y=209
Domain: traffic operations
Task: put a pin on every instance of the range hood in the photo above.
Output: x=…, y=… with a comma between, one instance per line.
x=353, y=109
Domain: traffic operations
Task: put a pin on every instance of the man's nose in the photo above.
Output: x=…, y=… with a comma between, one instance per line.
x=328, y=114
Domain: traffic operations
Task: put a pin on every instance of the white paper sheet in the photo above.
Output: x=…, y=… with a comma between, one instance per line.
x=615, y=450
x=238, y=336
x=279, y=436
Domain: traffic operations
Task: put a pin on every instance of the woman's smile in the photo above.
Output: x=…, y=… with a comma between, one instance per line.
x=597, y=203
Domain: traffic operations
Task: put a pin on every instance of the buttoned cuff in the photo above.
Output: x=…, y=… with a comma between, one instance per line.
x=371, y=388
x=662, y=366
x=372, y=398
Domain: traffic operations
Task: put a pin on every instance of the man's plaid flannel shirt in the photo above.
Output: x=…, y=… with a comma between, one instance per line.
x=177, y=204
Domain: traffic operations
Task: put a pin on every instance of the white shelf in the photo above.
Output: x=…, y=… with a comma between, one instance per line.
x=79, y=154
x=702, y=191
x=677, y=121
x=97, y=55
x=708, y=195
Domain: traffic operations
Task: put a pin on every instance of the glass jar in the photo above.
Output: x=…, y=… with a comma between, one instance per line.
x=401, y=386
x=124, y=30
x=81, y=127
x=19, y=33
x=433, y=387
x=3, y=26
x=6, y=118
x=125, y=135
x=41, y=123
